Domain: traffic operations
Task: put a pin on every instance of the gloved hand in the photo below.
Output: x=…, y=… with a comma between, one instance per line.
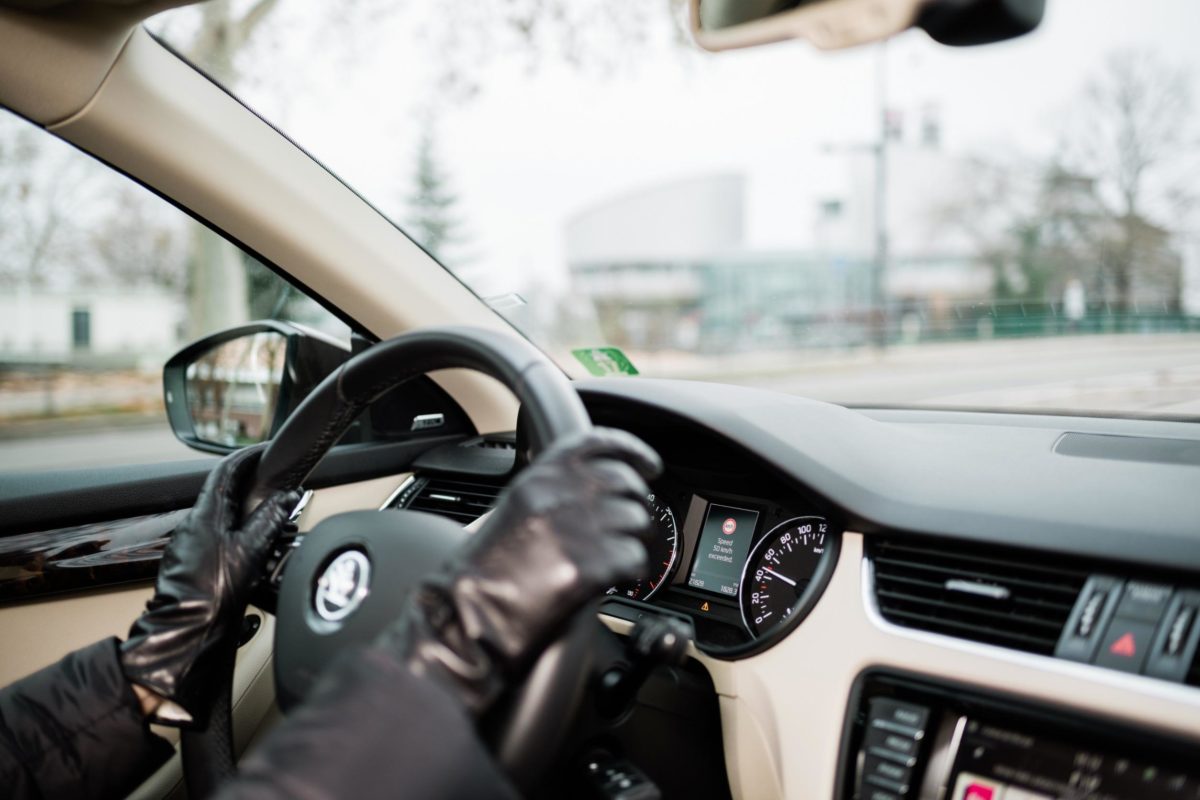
x=571, y=525
x=204, y=581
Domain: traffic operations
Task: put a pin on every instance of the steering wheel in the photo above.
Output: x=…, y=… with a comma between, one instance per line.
x=375, y=557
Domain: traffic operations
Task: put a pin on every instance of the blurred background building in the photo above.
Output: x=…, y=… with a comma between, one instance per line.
x=113, y=327
x=973, y=251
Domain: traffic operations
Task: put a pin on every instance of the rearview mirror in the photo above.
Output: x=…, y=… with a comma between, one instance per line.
x=836, y=24
x=236, y=387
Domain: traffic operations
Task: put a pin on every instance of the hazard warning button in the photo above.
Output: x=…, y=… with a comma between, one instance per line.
x=1125, y=645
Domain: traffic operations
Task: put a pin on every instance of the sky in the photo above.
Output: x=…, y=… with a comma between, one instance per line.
x=536, y=146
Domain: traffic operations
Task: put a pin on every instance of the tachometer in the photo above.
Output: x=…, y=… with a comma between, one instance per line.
x=778, y=570
x=663, y=551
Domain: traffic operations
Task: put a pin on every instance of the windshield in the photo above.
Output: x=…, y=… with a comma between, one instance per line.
x=1005, y=227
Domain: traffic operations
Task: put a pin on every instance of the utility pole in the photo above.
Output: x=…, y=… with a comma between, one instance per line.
x=879, y=301
x=879, y=314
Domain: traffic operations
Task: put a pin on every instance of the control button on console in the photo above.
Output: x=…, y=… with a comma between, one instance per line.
x=901, y=746
x=1174, y=647
x=886, y=774
x=1144, y=601
x=904, y=717
x=873, y=793
x=1125, y=645
x=1093, y=609
x=976, y=787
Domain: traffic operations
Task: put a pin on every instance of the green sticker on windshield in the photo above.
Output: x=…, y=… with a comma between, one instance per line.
x=605, y=361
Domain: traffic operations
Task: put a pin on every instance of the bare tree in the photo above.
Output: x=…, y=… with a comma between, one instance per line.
x=993, y=206
x=139, y=245
x=1130, y=137
x=462, y=35
x=44, y=186
x=595, y=36
x=1100, y=208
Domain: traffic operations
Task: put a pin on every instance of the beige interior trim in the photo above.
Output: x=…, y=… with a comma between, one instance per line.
x=39, y=633
x=161, y=121
x=51, y=64
x=782, y=711
x=368, y=494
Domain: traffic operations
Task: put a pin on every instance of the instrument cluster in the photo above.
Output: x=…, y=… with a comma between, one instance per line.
x=743, y=569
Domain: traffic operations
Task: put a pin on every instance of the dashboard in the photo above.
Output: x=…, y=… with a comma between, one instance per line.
x=1017, y=596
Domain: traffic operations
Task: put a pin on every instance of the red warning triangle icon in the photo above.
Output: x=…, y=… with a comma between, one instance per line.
x=1125, y=646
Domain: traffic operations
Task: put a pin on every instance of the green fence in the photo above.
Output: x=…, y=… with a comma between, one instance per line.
x=1014, y=319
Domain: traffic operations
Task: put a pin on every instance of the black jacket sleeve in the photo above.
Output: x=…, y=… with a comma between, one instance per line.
x=75, y=729
x=371, y=729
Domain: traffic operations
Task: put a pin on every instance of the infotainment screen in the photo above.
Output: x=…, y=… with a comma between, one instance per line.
x=721, y=550
x=1000, y=763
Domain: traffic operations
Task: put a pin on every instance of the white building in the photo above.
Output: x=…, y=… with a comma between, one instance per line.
x=1189, y=245
x=117, y=327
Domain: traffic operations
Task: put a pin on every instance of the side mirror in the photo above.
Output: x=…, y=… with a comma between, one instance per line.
x=836, y=24
x=236, y=387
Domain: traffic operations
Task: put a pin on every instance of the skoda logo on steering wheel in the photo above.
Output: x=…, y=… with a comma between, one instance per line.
x=343, y=586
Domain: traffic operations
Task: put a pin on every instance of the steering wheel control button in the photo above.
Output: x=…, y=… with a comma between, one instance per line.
x=1089, y=618
x=1125, y=645
x=1174, y=647
x=1144, y=601
x=250, y=625
x=342, y=586
x=613, y=778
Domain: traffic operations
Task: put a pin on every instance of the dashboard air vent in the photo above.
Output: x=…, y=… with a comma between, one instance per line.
x=486, y=443
x=462, y=500
x=1004, y=597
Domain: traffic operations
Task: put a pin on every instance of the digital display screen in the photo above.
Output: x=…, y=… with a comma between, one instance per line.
x=999, y=763
x=722, y=548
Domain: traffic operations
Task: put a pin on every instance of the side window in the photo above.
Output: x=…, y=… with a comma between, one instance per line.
x=100, y=282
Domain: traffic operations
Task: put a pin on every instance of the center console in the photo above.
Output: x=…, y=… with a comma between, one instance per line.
x=908, y=737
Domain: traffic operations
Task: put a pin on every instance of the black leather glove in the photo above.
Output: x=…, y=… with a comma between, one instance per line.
x=178, y=645
x=571, y=525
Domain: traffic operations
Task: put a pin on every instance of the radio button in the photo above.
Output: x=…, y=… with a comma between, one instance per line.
x=904, y=717
x=886, y=775
x=901, y=746
x=871, y=793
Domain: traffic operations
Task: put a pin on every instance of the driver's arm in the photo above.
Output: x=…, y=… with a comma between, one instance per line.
x=79, y=728
x=76, y=729
x=373, y=729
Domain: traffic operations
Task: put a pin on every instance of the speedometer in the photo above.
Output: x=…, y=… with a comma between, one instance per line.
x=662, y=552
x=779, y=569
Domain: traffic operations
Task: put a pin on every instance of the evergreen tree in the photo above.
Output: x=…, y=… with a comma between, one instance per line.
x=431, y=219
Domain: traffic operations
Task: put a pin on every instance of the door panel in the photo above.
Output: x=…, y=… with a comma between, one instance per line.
x=41, y=501
x=36, y=633
x=40, y=630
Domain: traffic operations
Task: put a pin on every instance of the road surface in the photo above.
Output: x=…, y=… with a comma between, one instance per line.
x=1130, y=374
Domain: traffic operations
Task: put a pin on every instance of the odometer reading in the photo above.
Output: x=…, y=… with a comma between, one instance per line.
x=779, y=569
x=662, y=552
